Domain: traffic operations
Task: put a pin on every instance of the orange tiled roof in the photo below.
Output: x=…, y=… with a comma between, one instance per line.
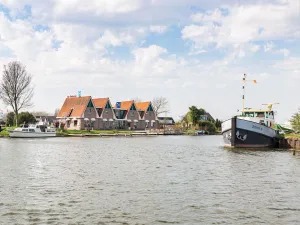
x=142, y=106
x=78, y=104
x=125, y=105
x=100, y=102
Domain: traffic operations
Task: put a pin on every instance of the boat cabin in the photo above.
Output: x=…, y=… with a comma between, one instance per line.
x=265, y=117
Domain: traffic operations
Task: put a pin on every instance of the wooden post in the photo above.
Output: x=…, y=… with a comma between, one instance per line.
x=233, y=131
x=294, y=152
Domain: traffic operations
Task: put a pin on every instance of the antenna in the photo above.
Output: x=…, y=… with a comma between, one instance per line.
x=270, y=105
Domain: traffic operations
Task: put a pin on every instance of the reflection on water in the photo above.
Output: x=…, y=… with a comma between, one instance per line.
x=152, y=180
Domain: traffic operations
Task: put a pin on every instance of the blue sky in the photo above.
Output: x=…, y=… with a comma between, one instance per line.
x=191, y=52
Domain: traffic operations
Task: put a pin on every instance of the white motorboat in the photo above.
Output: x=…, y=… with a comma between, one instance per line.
x=32, y=131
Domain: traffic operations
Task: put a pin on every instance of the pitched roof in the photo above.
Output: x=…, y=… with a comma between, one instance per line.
x=142, y=106
x=78, y=104
x=209, y=116
x=100, y=102
x=125, y=105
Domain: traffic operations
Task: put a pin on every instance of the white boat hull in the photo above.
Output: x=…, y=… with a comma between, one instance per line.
x=20, y=134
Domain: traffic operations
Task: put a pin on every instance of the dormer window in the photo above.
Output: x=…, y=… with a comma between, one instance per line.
x=132, y=107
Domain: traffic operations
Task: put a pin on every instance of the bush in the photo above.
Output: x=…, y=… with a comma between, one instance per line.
x=208, y=126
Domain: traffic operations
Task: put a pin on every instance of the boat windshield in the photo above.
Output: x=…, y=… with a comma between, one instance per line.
x=259, y=114
x=254, y=114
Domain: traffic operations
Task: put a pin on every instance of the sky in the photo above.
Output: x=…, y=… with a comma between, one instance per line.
x=193, y=52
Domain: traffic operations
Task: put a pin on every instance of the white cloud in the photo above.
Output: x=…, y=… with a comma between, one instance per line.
x=255, y=48
x=86, y=58
x=150, y=61
x=158, y=29
x=284, y=51
x=97, y=7
x=110, y=38
x=291, y=64
x=197, y=51
x=269, y=47
x=211, y=16
x=244, y=24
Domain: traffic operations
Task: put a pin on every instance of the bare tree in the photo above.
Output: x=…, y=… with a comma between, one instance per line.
x=56, y=111
x=160, y=105
x=15, y=87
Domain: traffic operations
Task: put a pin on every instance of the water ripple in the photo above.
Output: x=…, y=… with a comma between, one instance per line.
x=158, y=180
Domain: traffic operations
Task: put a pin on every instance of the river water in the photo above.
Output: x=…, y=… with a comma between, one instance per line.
x=145, y=180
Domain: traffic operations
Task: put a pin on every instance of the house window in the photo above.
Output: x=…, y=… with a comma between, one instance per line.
x=89, y=110
x=68, y=123
x=150, y=113
x=99, y=111
x=132, y=113
x=117, y=112
x=75, y=123
x=106, y=112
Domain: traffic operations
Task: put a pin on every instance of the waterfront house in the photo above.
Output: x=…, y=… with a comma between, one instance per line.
x=166, y=121
x=78, y=113
x=206, y=117
x=105, y=113
x=128, y=116
x=147, y=114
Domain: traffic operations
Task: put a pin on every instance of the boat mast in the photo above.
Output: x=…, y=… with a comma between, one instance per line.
x=244, y=91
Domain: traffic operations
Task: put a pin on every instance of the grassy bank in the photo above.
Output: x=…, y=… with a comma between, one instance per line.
x=292, y=136
x=4, y=132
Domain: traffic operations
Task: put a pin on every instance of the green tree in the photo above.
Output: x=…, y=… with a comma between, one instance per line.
x=194, y=114
x=218, y=123
x=26, y=117
x=201, y=112
x=295, y=121
x=10, y=119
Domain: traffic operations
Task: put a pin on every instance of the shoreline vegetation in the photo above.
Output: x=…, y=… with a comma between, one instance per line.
x=70, y=133
x=288, y=141
x=86, y=133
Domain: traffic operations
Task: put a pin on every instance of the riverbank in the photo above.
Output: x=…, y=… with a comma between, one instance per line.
x=290, y=141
